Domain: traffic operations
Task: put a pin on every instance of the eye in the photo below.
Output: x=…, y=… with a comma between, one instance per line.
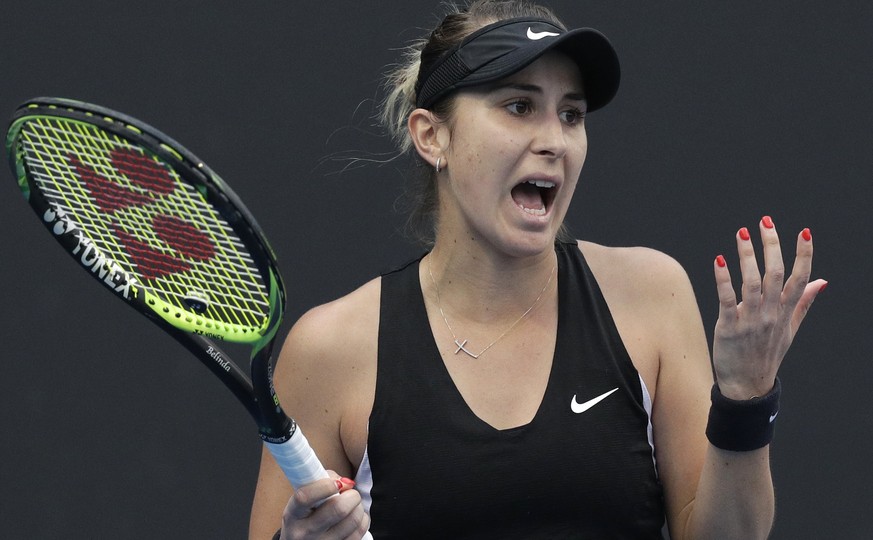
x=573, y=116
x=519, y=107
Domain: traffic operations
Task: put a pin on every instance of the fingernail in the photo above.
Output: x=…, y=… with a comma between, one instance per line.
x=767, y=221
x=806, y=235
x=344, y=484
x=822, y=288
x=720, y=261
x=744, y=234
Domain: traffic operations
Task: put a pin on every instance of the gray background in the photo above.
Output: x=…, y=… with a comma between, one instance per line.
x=727, y=111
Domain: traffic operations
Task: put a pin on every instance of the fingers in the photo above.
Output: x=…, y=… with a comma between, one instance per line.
x=751, y=290
x=800, y=273
x=752, y=337
x=325, y=509
x=310, y=496
x=774, y=268
x=727, y=298
x=771, y=298
x=810, y=293
x=341, y=516
x=771, y=291
x=355, y=522
x=799, y=292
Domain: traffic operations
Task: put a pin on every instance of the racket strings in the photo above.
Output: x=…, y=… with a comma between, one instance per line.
x=138, y=213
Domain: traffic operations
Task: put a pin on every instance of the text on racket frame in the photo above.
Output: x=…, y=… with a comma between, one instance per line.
x=88, y=255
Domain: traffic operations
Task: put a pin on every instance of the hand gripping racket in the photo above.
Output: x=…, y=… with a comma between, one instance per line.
x=158, y=228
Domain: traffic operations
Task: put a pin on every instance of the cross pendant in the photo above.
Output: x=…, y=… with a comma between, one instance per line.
x=462, y=348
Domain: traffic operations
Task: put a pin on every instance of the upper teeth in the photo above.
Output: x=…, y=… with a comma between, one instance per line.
x=542, y=183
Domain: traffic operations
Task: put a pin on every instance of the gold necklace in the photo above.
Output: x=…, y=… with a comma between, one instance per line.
x=462, y=344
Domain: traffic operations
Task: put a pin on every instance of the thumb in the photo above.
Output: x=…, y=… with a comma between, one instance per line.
x=810, y=293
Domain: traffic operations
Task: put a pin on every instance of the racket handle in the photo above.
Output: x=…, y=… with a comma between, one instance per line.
x=297, y=460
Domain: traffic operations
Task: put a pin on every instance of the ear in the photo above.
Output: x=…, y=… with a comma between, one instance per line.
x=429, y=135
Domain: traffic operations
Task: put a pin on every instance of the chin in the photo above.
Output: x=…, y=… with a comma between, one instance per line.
x=530, y=244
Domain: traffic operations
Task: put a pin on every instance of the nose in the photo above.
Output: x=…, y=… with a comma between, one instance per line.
x=550, y=138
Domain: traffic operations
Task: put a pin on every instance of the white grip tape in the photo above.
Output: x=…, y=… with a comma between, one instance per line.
x=298, y=460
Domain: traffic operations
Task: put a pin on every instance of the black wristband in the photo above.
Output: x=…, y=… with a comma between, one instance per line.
x=741, y=426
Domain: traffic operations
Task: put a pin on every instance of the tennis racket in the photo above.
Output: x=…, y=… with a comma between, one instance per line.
x=164, y=233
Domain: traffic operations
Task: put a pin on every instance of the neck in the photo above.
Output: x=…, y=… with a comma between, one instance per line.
x=484, y=287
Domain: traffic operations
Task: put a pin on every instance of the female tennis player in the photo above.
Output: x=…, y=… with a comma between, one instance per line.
x=515, y=383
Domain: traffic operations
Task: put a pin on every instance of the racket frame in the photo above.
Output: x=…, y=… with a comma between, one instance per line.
x=260, y=397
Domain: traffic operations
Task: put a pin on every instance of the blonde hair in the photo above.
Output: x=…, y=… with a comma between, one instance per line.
x=401, y=81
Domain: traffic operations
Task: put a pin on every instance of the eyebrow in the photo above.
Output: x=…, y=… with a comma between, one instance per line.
x=573, y=96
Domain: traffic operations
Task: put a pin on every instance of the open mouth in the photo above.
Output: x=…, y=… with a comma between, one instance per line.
x=534, y=196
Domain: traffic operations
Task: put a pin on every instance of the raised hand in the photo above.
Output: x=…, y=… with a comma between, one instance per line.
x=752, y=337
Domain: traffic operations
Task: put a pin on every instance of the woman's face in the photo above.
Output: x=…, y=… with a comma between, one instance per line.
x=515, y=153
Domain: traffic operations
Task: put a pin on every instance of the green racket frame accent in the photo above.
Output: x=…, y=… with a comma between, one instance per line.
x=205, y=181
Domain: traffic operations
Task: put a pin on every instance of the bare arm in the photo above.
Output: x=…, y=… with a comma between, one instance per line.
x=320, y=377
x=750, y=342
x=711, y=492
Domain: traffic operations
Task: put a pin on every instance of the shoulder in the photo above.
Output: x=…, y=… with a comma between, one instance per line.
x=336, y=341
x=654, y=308
x=635, y=272
x=351, y=320
x=656, y=312
x=326, y=374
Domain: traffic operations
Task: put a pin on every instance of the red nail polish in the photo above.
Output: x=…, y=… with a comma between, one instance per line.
x=767, y=221
x=744, y=234
x=344, y=484
x=822, y=288
x=806, y=235
x=720, y=261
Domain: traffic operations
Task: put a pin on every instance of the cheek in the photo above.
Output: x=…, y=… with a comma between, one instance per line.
x=580, y=142
x=477, y=155
x=579, y=153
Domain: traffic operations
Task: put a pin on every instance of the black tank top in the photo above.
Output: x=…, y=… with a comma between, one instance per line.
x=433, y=469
